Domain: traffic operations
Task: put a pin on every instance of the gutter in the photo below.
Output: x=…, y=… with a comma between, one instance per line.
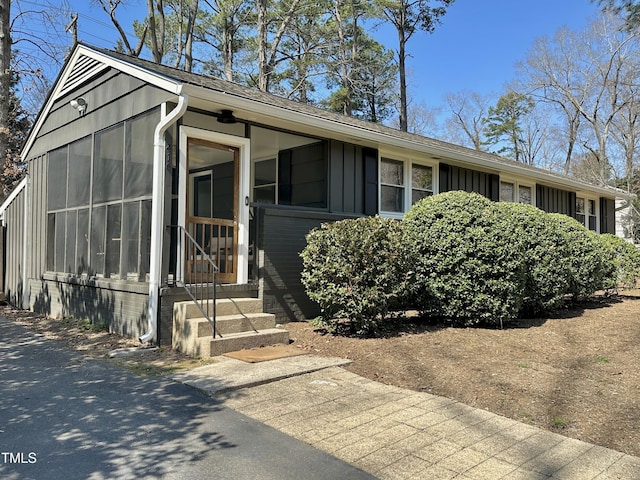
x=157, y=214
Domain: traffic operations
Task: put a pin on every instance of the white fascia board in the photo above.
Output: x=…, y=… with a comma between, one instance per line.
x=389, y=140
x=156, y=79
x=160, y=81
x=14, y=193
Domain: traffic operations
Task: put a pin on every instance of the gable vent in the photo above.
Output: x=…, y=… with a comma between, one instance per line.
x=84, y=69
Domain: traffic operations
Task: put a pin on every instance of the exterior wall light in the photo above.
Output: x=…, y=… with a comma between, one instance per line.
x=80, y=104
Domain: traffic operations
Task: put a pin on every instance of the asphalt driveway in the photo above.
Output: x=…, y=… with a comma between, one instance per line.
x=63, y=415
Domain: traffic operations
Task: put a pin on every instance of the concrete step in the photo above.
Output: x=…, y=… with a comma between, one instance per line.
x=239, y=341
x=224, y=306
x=227, y=324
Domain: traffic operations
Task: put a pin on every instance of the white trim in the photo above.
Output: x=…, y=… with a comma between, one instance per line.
x=516, y=188
x=244, y=190
x=407, y=162
x=156, y=79
x=12, y=196
x=157, y=212
x=386, y=139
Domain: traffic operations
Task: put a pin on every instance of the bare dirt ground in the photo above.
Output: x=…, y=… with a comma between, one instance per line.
x=576, y=373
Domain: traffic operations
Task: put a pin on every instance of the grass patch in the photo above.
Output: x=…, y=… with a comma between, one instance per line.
x=602, y=359
x=559, y=423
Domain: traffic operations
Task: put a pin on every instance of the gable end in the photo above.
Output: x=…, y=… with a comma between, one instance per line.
x=84, y=69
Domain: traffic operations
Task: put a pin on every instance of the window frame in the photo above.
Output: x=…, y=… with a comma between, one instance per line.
x=407, y=184
x=586, y=215
x=517, y=185
x=253, y=179
x=93, y=268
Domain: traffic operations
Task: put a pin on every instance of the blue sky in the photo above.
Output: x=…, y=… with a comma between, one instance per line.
x=476, y=47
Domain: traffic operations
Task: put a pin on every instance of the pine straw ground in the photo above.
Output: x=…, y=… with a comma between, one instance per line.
x=576, y=373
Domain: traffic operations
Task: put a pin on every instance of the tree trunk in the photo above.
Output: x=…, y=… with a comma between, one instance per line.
x=188, y=51
x=5, y=76
x=263, y=76
x=402, y=55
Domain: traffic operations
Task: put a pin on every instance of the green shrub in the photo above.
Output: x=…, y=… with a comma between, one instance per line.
x=465, y=268
x=548, y=272
x=584, y=256
x=354, y=269
x=624, y=262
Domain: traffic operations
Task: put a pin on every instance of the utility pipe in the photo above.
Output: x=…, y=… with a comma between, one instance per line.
x=157, y=214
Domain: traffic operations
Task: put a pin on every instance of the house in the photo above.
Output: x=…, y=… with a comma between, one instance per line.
x=144, y=179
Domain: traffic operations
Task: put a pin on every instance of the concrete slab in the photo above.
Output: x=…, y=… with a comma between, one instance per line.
x=228, y=374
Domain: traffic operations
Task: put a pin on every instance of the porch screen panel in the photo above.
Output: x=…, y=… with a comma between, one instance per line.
x=107, y=164
x=70, y=249
x=82, y=241
x=57, y=176
x=302, y=176
x=91, y=184
x=145, y=238
x=138, y=174
x=130, y=236
x=112, y=252
x=60, y=235
x=79, y=173
x=98, y=217
x=51, y=242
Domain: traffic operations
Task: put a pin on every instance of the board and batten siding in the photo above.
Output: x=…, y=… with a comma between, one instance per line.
x=14, y=253
x=458, y=178
x=282, y=237
x=111, y=98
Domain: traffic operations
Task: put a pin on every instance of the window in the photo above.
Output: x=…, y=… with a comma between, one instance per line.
x=264, y=183
x=580, y=212
x=99, y=191
x=395, y=194
x=513, y=191
x=586, y=213
x=525, y=194
x=391, y=185
x=507, y=192
x=421, y=182
x=591, y=215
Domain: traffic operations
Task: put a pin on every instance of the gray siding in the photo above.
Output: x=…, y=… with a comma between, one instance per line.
x=111, y=97
x=282, y=238
x=14, y=254
x=118, y=305
x=554, y=200
x=37, y=241
x=346, y=178
x=458, y=178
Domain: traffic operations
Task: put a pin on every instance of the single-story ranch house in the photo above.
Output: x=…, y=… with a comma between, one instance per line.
x=144, y=180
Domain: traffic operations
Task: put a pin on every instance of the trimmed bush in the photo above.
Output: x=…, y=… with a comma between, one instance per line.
x=624, y=262
x=465, y=267
x=584, y=255
x=354, y=269
x=548, y=272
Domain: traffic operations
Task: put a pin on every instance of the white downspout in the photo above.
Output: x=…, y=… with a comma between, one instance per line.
x=157, y=214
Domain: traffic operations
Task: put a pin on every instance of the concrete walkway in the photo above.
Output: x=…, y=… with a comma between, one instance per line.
x=395, y=433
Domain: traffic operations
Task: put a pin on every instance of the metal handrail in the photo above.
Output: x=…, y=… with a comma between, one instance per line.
x=197, y=288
